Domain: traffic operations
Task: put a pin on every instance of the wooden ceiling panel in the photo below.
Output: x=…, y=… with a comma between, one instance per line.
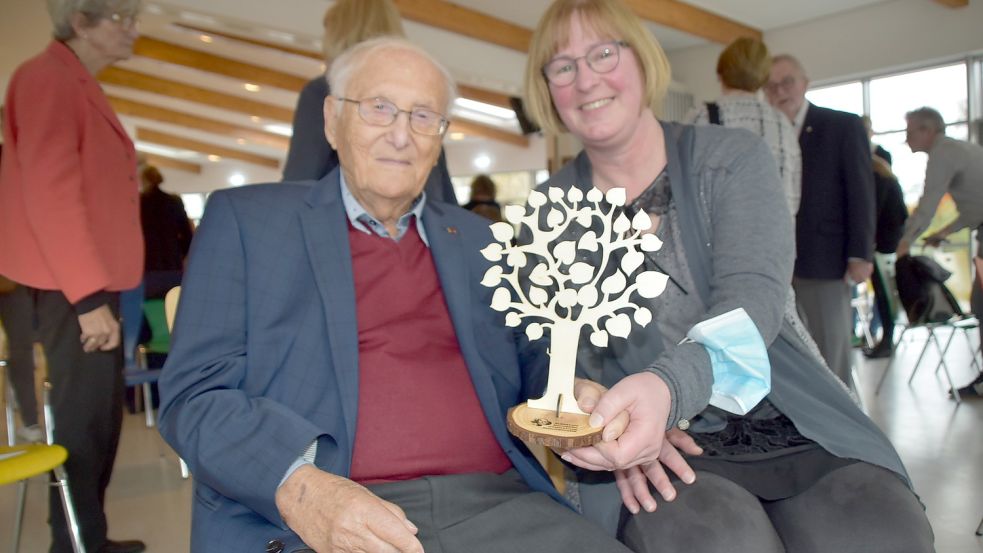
x=174, y=141
x=171, y=163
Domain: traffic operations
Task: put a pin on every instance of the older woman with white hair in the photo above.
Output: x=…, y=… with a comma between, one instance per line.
x=70, y=233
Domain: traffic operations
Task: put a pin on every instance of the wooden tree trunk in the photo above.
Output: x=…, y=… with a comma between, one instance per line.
x=564, y=337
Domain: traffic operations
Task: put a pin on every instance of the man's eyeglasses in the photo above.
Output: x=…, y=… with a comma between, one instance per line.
x=127, y=21
x=601, y=58
x=784, y=84
x=380, y=112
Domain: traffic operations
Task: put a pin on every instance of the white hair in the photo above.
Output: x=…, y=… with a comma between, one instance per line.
x=61, y=12
x=351, y=61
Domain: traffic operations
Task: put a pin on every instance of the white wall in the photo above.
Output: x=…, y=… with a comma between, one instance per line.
x=20, y=22
x=892, y=35
x=504, y=157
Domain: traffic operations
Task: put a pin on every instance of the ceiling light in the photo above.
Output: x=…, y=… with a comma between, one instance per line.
x=282, y=130
x=213, y=158
x=255, y=118
x=487, y=109
x=205, y=38
x=237, y=179
x=251, y=87
x=456, y=136
x=240, y=141
x=482, y=162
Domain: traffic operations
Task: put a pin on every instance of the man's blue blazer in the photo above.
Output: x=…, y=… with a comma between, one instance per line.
x=264, y=357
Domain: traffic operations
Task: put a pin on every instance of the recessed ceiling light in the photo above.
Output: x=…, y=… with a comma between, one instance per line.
x=487, y=109
x=213, y=158
x=237, y=179
x=456, y=136
x=482, y=162
x=240, y=141
x=255, y=118
x=205, y=38
x=282, y=130
x=251, y=87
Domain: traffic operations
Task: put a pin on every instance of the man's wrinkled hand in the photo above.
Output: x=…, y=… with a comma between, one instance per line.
x=333, y=514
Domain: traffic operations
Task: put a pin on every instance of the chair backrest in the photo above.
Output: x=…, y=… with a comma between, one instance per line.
x=923, y=293
x=160, y=336
x=131, y=313
x=170, y=305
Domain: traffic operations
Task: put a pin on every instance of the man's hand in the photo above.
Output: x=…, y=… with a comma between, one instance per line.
x=633, y=483
x=333, y=514
x=903, y=249
x=100, y=330
x=935, y=240
x=858, y=270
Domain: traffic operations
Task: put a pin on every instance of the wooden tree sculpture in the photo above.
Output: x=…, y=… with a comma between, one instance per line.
x=543, y=284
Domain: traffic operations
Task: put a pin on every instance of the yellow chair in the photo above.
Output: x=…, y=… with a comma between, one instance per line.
x=18, y=463
x=170, y=311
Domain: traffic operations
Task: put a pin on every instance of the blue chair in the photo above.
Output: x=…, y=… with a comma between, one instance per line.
x=135, y=370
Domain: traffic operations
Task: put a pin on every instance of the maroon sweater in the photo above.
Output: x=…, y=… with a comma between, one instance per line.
x=418, y=413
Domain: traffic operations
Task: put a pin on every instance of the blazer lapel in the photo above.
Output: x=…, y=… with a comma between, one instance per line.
x=93, y=92
x=325, y=231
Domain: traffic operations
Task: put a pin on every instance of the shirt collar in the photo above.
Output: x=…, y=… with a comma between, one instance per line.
x=800, y=116
x=362, y=221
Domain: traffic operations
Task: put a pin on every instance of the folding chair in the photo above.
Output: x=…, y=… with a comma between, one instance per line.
x=170, y=310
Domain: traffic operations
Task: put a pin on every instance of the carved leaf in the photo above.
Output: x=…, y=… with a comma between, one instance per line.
x=503, y=232
x=631, y=261
x=555, y=218
x=540, y=275
x=534, y=331
x=618, y=325
x=651, y=243
x=616, y=196
x=565, y=252
x=581, y=273
x=575, y=194
x=588, y=241
x=536, y=199
x=621, y=223
x=594, y=195
x=492, y=277
x=587, y=296
x=538, y=296
x=567, y=298
x=641, y=221
x=614, y=284
x=514, y=213
x=585, y=217
x=492, y=252
x=599, y=338
x=513, y=319
x=651, y=283
x=643, y=316
x=501, y=299
x=516, y=259
x=555, y=194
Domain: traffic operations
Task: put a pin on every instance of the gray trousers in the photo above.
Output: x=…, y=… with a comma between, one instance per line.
x=860, y=508
x=490, y=513
x=825, y=309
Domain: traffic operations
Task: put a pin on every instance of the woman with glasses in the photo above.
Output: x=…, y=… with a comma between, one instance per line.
x=804, y=470
x=70, y=235
x=346, y=23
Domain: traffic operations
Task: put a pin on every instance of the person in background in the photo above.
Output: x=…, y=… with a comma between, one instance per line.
x=70, y=234
x=875, y=149
x=337, y=369
x=346, y=23
x=166, y=234
x=954, y=167
x=804, y=469
x=742, y=70
x=834, y=227
x=482, y=199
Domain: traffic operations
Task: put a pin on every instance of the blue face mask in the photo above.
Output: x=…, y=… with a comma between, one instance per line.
x=741, y=369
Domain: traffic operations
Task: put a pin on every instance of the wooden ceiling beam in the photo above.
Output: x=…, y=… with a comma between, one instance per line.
x=131, y=108
x=173, y=141
x=953, y=3
x=148, y=83
x=171, y=163
x=486, y=131
x=692, y=20
x=484, y=95
x=467, y=22
x=179, y=55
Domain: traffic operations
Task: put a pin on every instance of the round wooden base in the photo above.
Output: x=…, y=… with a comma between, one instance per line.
x=541, y=426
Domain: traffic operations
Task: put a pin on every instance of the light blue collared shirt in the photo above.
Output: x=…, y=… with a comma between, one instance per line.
x=363, y=221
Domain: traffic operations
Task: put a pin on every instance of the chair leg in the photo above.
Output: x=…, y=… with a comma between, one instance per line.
x=148, y=405
x=979, y=529
x=8, y=391
x=928, y=341
x=19, y=514
x=890, y=361
x=61, y=482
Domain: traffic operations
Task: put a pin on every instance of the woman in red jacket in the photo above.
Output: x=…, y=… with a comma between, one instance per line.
x=70, y=233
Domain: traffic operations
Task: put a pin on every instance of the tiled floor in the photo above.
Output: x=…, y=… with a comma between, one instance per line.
x=941, y=443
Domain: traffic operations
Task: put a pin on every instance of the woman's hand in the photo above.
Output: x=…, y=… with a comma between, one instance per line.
x=633, y=483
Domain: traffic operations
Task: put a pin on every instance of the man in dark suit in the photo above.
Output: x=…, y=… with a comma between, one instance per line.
x=835, y=223
x=337, y=371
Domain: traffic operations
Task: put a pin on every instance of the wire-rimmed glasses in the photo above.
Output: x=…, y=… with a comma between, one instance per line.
x=601, y=58
x=380, y=112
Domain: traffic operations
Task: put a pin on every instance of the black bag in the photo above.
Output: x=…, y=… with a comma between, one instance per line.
x=922, y=290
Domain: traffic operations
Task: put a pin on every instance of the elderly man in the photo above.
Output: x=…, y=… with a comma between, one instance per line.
x=834, y=228
x=954, y=167
x=337, y=371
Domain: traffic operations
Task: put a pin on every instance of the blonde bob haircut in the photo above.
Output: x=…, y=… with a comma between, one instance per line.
x=607, y=18
x=744, y=65
x=348, y=22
